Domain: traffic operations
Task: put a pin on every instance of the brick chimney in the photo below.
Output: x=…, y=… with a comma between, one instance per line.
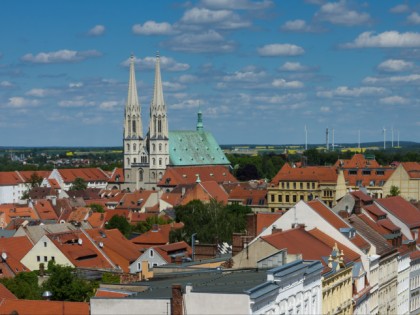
x=176, y=301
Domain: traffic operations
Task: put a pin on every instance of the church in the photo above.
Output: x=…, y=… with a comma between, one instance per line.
x=146, y=158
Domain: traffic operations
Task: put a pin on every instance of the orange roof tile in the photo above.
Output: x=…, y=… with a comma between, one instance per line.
x=134, y=200
x=357, y=161
x=117, y=176
x=5, y=293
x=32, y=307
x=412, y=168
x=84, y=254
x=205, y=191
x=26, y=175
x=109, y=294
x=45, y=210
x=264, y=220
x=10, y=178
x=321, y=174
x=159, y=236
x=88, y=174
x=175, y=248
x=188, y=175
x=402, y=209
x=248, y=196
x=79, y=214
x=120, y=250
x=332, y=218
x=97, y=220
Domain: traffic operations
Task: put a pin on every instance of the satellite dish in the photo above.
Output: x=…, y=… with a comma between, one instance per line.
x=80, y=241
x=4, y=255
x=101, y=244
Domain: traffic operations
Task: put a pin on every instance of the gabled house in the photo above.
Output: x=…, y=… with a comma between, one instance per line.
x=407, y=178
x=157, y=236
x=73, y=248
x=161, y=255
x=245, y=195
x=13, y=249
x=44, y=209
x=94, y=177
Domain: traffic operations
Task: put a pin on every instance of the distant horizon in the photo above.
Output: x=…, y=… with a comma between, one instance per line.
x=261, y=71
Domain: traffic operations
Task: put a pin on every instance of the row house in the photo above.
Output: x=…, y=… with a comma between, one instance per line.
x=94, y=177
x=306, y=183
x=360, y=171
x=407, y=178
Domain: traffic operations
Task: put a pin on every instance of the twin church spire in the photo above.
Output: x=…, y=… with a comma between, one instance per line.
x=152, y=152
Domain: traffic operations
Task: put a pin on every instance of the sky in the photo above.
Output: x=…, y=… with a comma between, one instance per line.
x=260, y=70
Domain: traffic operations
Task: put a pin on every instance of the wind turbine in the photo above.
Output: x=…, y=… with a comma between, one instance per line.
x=384, y=131
x=306, y=138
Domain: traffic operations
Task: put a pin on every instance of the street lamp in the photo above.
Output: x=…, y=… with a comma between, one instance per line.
x=193, y=245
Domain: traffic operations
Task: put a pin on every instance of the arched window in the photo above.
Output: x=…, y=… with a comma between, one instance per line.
x=134, y=126
x=153, y=161
x=153, y=175
x=160, y=147
x=135, y=160
x=140, y=175
x=159, y=124
x=153, y=148
x=160, y=175
x=128, y=161
x=128, y=147
x=160, y=162
x=154, y=125
x=143, y=159
x=134, y=147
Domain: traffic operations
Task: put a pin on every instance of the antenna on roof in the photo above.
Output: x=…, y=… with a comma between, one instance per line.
x=326, y=139
x=80, y=241
x=398, y=133
x=4, y=256
x=359, y=141
x=332, y=145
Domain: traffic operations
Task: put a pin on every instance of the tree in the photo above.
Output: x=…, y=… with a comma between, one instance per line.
x=213, y=222
x=64, y=284
x=24, y=285
x=78, y=184
x=147, y=225
x=97, y=207
x=35, y=180
x=120, y=222
x=394, y=191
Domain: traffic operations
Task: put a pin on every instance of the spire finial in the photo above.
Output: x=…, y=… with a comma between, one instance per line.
x=157, y=54
x=199, y=120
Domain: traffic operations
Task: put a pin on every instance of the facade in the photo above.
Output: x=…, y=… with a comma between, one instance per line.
x=407, y=178
x=292, y=184
x=415, y=283
x=146, y=158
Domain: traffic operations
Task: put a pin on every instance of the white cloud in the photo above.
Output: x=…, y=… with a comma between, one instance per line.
x=414, y=18
x=282, y=83
x=187, y=104
x=97, y=30
x=21, y=102
x=395, y=65
x=292, y=66
x=73, y=85
x=339, y=13
x=224, y=19
x=166, y=63
x=64, y=55
x=273, y=50
x=325, y=109
x=206, y=42
x=237, y=4
x=6, y=84
x=77, y=102
x=391, y=100
x=400, y=8
x=153, y=28
x=109, y=105
x=244, y=76
x=388, y=39
x=296, y=26
x=394, y=79
x=173, y=86
x=279, y=99
x=344, y=91
x=188, y=78
x=40, y=92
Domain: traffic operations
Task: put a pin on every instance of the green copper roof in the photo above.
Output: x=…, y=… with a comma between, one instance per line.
x=195, y=148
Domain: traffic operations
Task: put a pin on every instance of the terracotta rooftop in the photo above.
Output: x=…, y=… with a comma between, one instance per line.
x=10, y=178
x=5, y=293
x=159, y=235
x=44, y=209
x=32, y=307
x=358, y=194
x=336, y=221
x=250, y=197
x=88, y=174
x=188, y=175
x=357, y=161
x=205, y=191
x=321, y=174
x=175, y=248
x=412, y=168
x=135, y=200
x=116, y=176
x=26, y=175
x=402, y=209
x=264, y=220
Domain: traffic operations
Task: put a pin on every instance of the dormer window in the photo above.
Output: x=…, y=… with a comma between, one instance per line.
x=151, y=253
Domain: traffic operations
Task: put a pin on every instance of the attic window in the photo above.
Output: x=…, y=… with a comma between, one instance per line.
x=352, y=172
x=261, y=201
x=366, y=172
x=380, y=172
x=249, y=201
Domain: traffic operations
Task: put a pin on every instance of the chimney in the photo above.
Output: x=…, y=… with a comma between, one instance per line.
x=182, y=191
x=275, y=230
x=176, y=301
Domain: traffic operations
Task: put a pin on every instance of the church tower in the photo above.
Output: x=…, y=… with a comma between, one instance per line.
x=158, y=143
x=135, y=153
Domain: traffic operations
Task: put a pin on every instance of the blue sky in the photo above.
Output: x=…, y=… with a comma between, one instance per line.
x=259, y=70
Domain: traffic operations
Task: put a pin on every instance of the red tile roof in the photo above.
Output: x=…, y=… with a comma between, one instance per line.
x=83, y=254
x=79, y=215
x=361, y=195
x=159, y=236
x=205, y=191
x=357, y=161
x=120, y=250
x=332, y=218
x=12, y=211
x=412, y=168
x=135, y=200
x=247, y=196
x=45, y=210
x=188, y=175
x=374, y=210
x=10, y=178
x=109, y=294
x=97, y=220
x=88, y=174
x=402, y=209
x=264, y=220
x=32, y=307
x=321, y=174
x=15, y=248
x=5, y=293
x=26, y=175
x=117, y=176
x=175, y=248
